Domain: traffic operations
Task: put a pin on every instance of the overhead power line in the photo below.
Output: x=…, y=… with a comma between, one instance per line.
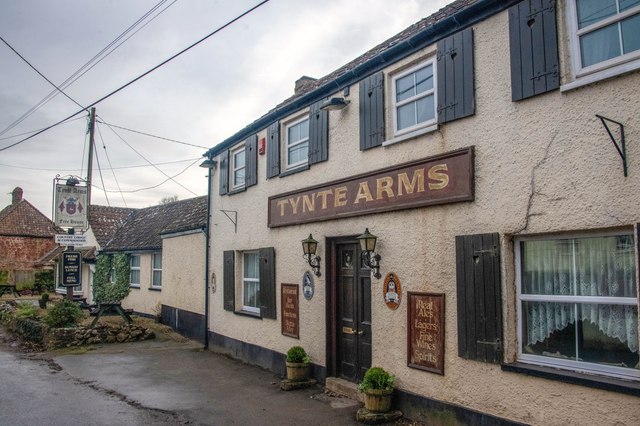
x=86, y=67
x=150, y=135
x=143, y=74
x=40, y=169
x=36, y=130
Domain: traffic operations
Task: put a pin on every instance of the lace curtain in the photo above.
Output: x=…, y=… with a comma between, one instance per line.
x=603, y=267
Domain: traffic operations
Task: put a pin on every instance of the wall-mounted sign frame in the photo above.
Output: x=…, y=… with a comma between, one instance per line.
x=425, y=331
x=392, y=291
x=290, y=310
x=71, y=206
x=71, y=268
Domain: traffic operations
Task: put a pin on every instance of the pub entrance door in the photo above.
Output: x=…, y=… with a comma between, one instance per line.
x=352, y=307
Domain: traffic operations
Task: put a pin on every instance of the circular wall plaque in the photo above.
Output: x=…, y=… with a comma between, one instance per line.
x=392, y=290
x=307, y=285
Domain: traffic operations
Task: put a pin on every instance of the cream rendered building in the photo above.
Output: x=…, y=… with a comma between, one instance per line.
x=471, y=146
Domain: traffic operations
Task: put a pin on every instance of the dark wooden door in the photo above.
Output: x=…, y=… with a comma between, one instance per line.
x=353, y=333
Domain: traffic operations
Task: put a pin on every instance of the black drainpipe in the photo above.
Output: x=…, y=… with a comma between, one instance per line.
x=206, y=260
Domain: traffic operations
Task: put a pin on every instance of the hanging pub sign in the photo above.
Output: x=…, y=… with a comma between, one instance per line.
x=71, y=206
x=392, y=291
x=425, y=328
x=307, y=285
x=445, y=178
x=71, y=268
x=290, y=310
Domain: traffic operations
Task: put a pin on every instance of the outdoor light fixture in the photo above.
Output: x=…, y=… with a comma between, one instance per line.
x=334, y=104
x=367, y=254
x=209, y=164
x=309, y=246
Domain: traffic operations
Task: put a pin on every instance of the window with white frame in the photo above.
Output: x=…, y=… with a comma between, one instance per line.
x=604, y=33
x=251, y=281
x=156, y=270
x=414, y=98
x=578, y=303
x=297, y=143
x=238, y=167
x=134, y=267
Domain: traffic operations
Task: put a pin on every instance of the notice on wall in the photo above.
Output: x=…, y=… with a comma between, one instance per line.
x=290, y=310
x=425, y=339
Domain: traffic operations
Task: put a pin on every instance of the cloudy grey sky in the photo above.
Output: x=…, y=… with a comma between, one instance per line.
x=201, y=97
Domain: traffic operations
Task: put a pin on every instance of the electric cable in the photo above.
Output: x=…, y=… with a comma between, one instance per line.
x=142, y=75
x=33, y=131
x=81, y=170
x=104, y=146
x=101, y=178
x=150, y=135
x=74, y=77
x=145, y=159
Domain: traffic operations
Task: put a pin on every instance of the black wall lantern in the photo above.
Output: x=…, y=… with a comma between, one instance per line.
x=309, y=247
x=368, y=256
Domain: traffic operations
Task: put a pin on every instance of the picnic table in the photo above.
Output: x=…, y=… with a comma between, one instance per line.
x=106, y=308
x=8, y=289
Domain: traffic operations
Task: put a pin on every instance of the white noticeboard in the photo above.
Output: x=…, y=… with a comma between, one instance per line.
x=71, y=206
x=71, y=240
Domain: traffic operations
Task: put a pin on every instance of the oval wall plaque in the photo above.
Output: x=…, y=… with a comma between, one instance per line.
x=307, y=285
x=392, y=291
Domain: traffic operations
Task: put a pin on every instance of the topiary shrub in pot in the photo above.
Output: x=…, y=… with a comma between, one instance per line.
x=298, y=364
x=44, y=298
x=377, y=386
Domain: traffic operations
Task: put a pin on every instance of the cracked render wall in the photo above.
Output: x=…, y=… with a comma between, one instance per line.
x=544, y=165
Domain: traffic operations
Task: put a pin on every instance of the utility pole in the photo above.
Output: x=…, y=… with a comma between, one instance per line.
x=92, y=126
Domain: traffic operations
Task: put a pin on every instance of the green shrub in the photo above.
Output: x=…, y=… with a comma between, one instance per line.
x=376, y=378
x=105, y=291
x=26, y=310
x=25, y=285
x=297, y=354
x=44, y=280
x=45, y=296
x=63, y=314
x=30, y=329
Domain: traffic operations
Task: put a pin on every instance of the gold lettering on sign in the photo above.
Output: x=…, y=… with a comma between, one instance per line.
x=384, y=184
x=341, y=196
x=426, y=332
x=290, y=308
x=441, y=178
x=363, y=192
x=308, y=203
x=416, y=180
x=324, y=194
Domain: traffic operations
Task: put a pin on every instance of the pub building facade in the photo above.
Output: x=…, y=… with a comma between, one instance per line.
x=492, y=150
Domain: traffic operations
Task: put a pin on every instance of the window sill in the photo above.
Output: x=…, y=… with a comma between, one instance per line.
x=612, y=384
x=604, y=74
x=294, y=171
x=155, y=288
x=137, y=287
x=237, y=190
x=411, y=135
x=248, y=314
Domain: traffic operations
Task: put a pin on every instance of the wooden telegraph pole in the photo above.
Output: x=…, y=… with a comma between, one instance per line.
x=92, y=127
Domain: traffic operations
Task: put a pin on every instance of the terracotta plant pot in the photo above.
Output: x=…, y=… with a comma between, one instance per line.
x=378, y=400
x=298, y=371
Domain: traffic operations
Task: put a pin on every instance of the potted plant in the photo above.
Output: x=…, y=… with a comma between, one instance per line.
x=298, y=364
x=44, y=298
x=377, y=386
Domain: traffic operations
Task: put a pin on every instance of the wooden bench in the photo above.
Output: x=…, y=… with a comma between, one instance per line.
x=106, y=308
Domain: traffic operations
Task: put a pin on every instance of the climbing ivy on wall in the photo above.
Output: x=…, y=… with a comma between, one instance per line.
x=105, y=291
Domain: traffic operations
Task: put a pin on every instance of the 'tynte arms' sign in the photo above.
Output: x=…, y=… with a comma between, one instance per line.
x=71, y=206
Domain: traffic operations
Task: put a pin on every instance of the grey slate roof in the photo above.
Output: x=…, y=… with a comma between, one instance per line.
x=144, y=227
x=105, y=221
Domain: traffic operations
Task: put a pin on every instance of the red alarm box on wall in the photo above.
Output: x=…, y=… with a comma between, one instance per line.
x=262, y=143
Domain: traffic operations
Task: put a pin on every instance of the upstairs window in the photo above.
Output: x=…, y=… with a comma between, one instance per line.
x=414, y=98
x=578, y=304
x=297, y=143
x=251, y=282
x=238, y=167
x=604, y=33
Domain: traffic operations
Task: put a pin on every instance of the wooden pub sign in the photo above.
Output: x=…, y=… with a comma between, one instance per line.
x=290, y=310
x=446, y=178
x=425, y=340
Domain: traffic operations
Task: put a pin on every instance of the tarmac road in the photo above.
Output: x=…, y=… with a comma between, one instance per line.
x=155, y=383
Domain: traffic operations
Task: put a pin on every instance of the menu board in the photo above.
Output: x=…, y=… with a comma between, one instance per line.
x=290, y=310
x=425, y=339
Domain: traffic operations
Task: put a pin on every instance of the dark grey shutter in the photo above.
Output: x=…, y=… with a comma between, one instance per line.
x=533, y=40
x=251, y=158
x=229, y=280
x=318, y=134
x=268, y=282
x=372, y=111
x=224, y=172
x=479, y=297
x=456, y=93
x=273, y=150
